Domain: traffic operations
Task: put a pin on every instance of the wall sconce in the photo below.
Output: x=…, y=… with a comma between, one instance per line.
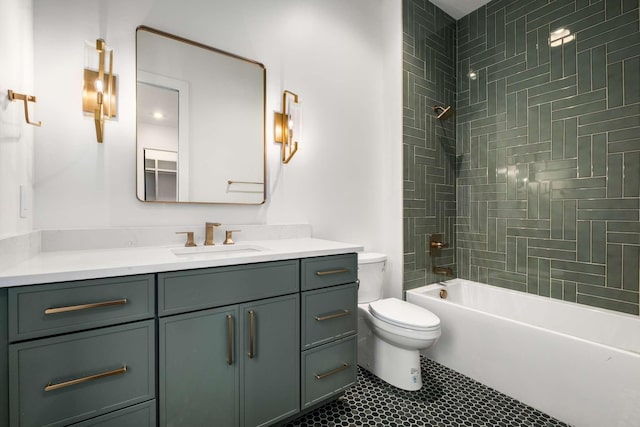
x=288, y=125
x=99, y=88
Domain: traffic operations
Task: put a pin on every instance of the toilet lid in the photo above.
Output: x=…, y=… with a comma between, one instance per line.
x=404, y=314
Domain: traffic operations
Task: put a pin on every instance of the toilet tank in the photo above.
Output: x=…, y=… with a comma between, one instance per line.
x=370, y=274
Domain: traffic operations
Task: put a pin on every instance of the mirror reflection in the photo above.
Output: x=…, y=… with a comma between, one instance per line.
x=200, y=123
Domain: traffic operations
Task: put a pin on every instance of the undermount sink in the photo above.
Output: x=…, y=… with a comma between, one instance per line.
x=204, y=252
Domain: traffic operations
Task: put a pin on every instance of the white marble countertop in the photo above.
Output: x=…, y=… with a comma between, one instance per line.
x=65, y=265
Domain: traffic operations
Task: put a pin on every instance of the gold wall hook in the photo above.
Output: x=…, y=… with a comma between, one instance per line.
x=284, y=128
x=13, y=96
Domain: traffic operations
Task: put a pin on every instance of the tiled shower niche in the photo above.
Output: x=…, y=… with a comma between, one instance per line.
x=548, y=149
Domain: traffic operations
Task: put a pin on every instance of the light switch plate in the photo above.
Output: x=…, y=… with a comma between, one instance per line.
x=24, y=202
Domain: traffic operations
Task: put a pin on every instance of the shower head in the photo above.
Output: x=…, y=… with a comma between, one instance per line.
x=443, y=112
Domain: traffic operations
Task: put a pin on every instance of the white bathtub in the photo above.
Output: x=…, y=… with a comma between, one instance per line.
x=578, y=364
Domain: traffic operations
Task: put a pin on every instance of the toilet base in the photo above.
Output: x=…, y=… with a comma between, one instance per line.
x=397, y=366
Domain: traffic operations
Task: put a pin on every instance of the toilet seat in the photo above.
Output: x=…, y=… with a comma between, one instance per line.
x=405, y=315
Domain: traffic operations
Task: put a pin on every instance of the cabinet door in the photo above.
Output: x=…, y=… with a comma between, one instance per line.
x=198, y=372
x=271, y=360
x=4, y=362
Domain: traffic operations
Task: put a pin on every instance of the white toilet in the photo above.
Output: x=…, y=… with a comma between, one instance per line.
x=391, y=332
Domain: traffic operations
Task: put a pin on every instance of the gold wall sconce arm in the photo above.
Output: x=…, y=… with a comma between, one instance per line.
x=26, y=99
x=287, y=126
x=99, y=94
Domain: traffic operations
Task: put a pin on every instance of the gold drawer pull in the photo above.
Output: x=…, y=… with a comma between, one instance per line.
x=333, y=316
x=328, y=272
x=335, y=371
x=85, y=306
x=51, y=387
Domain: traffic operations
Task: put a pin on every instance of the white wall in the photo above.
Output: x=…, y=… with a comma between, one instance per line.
x=343, y=57
x=16, y=137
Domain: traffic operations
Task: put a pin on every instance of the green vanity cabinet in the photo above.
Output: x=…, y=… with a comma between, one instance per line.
x=270, y=366
x=60, y=380
x=199, y=374
x=4, y=361
x=241, y=345
x=329, y=327
x=140, y=415
x=80, y=352
x=235, y=365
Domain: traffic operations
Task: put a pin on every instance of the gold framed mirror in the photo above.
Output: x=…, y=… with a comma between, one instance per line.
x=208, y=107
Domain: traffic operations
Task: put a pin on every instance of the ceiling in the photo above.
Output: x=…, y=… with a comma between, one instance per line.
x=459, y=8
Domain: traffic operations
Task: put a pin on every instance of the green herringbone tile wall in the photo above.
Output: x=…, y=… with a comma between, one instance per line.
x=429, y=78
x=547, y=160
x=548, y=143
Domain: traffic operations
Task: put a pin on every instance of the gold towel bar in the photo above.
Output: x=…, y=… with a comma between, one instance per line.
x=244, y=182
x=120, y=371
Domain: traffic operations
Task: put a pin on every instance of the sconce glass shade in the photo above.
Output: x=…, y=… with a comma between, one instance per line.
x=288, y=126
x=294, y=122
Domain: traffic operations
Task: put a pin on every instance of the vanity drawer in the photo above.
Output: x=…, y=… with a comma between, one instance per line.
x=141, y=415
x=330, y=270
x=56, y=308
x=329, y=314
x=183, y=291
x=328, y=370
x=62, y=380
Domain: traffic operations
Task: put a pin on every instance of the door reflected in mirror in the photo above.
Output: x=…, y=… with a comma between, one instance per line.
x=200, y=123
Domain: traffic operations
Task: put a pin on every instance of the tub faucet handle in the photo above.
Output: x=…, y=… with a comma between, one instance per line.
x=436, y=244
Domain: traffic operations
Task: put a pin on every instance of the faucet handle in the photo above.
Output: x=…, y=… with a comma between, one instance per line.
x=228, y=239
x=436, y=244
x=190, y=241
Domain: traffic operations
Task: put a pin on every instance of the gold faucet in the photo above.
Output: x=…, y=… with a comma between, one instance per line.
x=209, y=226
